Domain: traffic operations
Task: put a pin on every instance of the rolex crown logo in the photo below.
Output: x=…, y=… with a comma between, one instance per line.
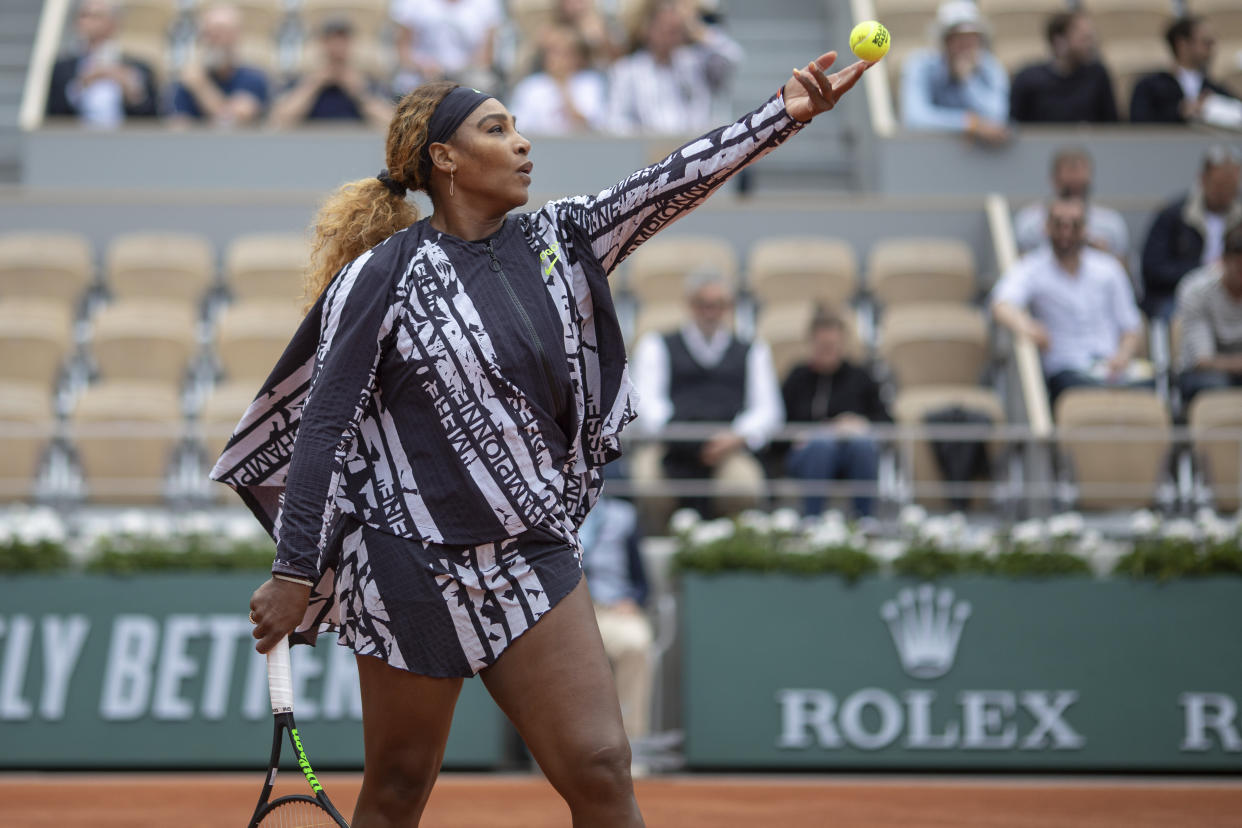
x=926, y=625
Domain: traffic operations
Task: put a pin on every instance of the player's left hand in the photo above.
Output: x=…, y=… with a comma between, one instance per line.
x=810, y=91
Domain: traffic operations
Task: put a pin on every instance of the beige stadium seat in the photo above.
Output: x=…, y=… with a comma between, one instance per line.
x=1127, y=19
x=124, y=434
x=1212, y=414
x=368, y=16
x=153, y=49
x=153, y=18
x=658, y=269
x=1019, y=18
x=173, y=266
x=934, y=343
x=786, y=328
x=913, y=405
x=144, y=340
x=221, y=412
x=251, y=336
x=1229, y=61
x=805, y=269
x=261, y=19
x=921, y=270
x=1016, y=53
x=1128, y=60
x=25, y=426
x=45, y=265
x=908, y=21
x=35, y=337
x=1113, y=472
x=1224, y=17
x=267, y=266
x=659, y=318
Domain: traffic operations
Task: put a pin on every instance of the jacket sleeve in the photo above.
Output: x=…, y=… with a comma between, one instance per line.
x=357, y=316
x=622, y=217
x=148, y=107
x=57, y=93
x=1162, y=269
x=1155, y=100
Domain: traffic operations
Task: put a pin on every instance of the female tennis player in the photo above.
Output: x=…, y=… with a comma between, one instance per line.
x=433, y=435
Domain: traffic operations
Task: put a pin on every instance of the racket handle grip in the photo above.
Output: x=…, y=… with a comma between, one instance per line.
x=279, y=677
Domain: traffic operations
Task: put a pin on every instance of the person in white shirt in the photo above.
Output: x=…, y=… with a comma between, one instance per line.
x=1076, y=304
x=1071, y=178
x=566, y=96
x=703, y=373
x=445, y=40
x=1209, y=310
x=672, y=83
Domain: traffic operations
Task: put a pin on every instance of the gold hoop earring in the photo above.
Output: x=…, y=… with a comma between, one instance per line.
x=451, y=171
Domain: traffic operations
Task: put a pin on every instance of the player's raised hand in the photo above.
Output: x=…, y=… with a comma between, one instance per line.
x=810, y=91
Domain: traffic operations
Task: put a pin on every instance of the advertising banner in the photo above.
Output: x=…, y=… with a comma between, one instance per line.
x=964, y=673
x=159, y=671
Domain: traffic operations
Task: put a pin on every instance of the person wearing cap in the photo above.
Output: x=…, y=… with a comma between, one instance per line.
x=429, y=443
x=1184, y=94
x=1209, y=310
x=1189, y=231
x=335, y=89
x=960, y=86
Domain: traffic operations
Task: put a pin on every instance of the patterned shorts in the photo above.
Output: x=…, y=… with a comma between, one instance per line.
x=435, y=609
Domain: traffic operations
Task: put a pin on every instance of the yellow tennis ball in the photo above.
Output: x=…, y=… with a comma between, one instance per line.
x=869, y=40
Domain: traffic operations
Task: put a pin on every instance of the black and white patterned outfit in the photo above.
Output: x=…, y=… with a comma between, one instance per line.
x=434, y=434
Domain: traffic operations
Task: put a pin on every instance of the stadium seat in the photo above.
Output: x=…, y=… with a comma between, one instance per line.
x=1229, y=59
x=1113, y=472
x=804, y=269
x=1118, y=19
x=260, y=51
x=1219, y=456
x=658, y=317
x=657, y=270
x=221, y=412
x=1016, y=53
x=261, y=19
x=1128, y=60
x=934, y=343
x=1019, y=18
x=921, y=270
x=152, y=18
x=368, y=16
x=25, y=426
x=45, y=265
x=35, y=337
x=908, y=21
x=1224, y=17
x=153, y=49
x=911, y=407
x=124, y=434
x=786, y=327
x=173, y=266
x=267, y=266
x=251, y=336
x=144, y=340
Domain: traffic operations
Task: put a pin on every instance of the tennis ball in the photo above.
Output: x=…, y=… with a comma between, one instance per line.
x=869, y=40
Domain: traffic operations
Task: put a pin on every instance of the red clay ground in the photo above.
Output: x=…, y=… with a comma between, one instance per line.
x=492, y=801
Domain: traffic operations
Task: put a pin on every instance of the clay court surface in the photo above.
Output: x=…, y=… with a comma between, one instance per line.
x=526, y=801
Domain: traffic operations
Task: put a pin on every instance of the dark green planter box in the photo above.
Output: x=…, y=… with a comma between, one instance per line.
x=159, y=671
x=784, y=671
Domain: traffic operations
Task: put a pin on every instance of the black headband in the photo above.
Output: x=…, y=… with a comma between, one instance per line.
x=454, y=108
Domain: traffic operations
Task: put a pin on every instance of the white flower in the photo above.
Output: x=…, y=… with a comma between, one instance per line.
x=786, y=520
x=711, y=532
x=197, y=523
x=978, y=539
x=755, y=520
x=243, y=529
x=829, y=534
x=1206, y=516
x=1028, y=532
x=1103, y=555
x=683, y=521
x=887, y=551
x=133, y=522
x=1220, y=531
x=1143, y=522
x=1181, y=529
x=938, y=531
x=1066, y=525
x=912, y=515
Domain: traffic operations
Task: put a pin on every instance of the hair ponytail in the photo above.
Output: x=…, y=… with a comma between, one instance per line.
x=363, y=213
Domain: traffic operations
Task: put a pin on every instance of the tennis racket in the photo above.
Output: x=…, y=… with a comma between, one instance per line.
x=298, y=810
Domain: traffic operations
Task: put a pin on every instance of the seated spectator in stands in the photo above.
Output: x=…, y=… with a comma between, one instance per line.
x=1184, y=94
x=961, y=86
x=1071, y=178
x=446, y=40
x=1209, y=307
x=703, y=373
x=844, y=399
x=615, y=576
x=671, y=83
x=1076, y=304
x=215, y=86
x=1190, y=231
x=98, y=84
x=566, y=96
x=335, y=90
x=1074, y=86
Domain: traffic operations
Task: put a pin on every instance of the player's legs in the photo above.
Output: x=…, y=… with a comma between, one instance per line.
x=555, y=685
x=405, y=724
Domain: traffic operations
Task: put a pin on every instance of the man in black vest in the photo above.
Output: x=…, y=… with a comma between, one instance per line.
x=703, y=373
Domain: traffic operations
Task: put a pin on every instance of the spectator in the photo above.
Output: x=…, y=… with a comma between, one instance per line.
x=565, y=96
x=335, y=90
x=1186, y=93
x=214, y=86
x=446, y=39
x=961, y=87
x=844, y=399
x=1072, y=87
x=1076, y=304
x=1071, y=178
x=1209, y=307
x=703, y=373
x=614, y=574
x=670, y=84
x=601, y=36
x=1190, y=231
x=99, y=84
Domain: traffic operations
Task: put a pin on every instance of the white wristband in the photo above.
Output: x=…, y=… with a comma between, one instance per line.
x=293, y=579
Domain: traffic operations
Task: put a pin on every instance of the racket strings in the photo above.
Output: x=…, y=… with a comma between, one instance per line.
x=297, y=813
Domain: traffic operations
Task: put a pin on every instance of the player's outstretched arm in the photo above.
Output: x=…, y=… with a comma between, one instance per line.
x=811, y=91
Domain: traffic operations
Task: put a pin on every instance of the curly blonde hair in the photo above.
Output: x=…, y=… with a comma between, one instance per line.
x=363, y=213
